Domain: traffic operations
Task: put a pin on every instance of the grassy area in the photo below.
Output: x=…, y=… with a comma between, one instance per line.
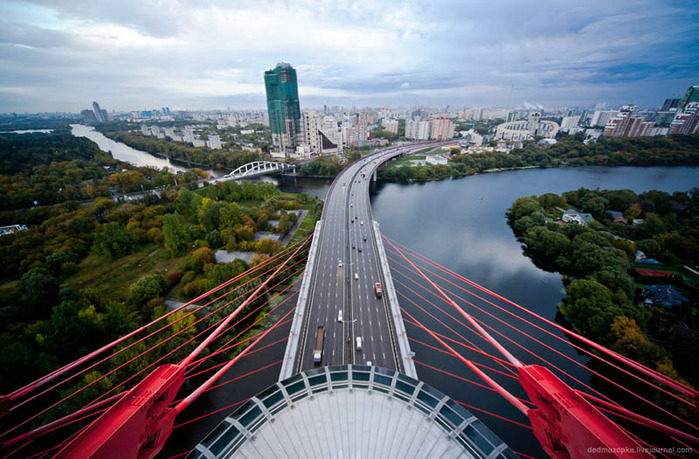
x=306, y=227
x=405, y=161
x=113, y=278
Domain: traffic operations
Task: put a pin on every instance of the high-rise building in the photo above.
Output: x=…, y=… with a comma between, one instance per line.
x=570, y=123
x=100, y=115
x=686, y=122
x=692, y=95
x=601, y=117
x=390, y=125
x=628, y=124
x=283, y=108
x=417, y=130
x=670, y=103
x=442, y=128
x=88, y=116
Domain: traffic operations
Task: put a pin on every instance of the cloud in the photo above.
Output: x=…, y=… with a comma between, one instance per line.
x=139, y=53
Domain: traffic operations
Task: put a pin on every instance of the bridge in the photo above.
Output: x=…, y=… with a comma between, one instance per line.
x=367, y=399
x=346, y=262
x=256, y=169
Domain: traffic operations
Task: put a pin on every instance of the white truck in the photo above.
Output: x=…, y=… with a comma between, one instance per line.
x=318, y=350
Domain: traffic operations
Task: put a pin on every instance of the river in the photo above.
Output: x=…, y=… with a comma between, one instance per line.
x=125, y=153
x=461, y=224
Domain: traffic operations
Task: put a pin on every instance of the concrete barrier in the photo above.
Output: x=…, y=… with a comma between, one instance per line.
x=297, y=324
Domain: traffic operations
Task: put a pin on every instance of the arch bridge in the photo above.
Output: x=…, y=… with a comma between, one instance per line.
x=256, y=168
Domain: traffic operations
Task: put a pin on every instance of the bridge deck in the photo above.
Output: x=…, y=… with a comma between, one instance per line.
x=338, y=289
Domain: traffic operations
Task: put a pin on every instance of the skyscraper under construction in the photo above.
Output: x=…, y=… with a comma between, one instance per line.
x=283, y=107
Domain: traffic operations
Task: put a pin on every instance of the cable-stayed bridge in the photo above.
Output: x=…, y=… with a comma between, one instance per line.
x=373, y=340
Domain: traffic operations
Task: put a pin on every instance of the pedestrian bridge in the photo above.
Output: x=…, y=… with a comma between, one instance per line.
x=256, y=168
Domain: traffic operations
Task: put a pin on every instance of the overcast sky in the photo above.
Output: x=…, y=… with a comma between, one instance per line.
x=60, y=55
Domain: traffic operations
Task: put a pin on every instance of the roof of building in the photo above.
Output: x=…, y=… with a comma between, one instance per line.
x=665, y=295
x=587, y=218
x=351, y=411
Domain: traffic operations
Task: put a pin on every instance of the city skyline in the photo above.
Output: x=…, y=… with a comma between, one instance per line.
x=59, y=55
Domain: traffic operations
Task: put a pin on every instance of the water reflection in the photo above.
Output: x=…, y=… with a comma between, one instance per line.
x=123, y=152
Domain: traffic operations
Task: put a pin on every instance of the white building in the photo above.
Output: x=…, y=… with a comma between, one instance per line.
x=214, y=142
x=570, y=123
x=527, y=129
x=471, y=138
x=601, y=117
x=320, y=133
x=417, y=130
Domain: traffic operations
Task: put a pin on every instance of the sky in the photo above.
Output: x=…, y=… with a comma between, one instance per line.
x=60, y=55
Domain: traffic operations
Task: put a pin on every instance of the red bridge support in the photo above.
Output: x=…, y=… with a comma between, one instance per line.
x=136, y=426
x=567, y=425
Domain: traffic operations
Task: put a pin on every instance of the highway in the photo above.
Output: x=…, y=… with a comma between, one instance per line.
x=342, y=294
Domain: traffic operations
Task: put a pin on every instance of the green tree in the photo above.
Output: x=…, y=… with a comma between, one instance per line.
x=590, y=307
x=147, y=288
x=175, y=235
x=38, y=290
x=112, y=240
x=546, y=242
x=199, y=258
x=549, y=200
x=525, y=206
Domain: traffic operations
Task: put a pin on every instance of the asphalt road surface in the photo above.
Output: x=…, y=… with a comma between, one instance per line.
x=342, y=294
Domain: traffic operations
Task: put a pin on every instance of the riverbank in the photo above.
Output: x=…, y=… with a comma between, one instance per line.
x=616, y=248
x=677, y=150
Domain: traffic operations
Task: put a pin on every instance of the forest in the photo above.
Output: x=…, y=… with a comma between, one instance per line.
x=605, y=274
x=676, y=150
x=86, y=272
x=44, y=169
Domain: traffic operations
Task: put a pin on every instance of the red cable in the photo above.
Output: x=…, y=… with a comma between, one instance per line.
x=473, y=348
x=235, y=379
x=196, y=363
x=210, y=413
x=471, y=407
x=507, y=365
x=470, y=381
x=558, y=352
x=499, y=333
x=140, y=355
x=690, y=392
x=204, y=387
x=213, y=367
x=177, y=348
x=456, y=342
x=145, y=352
x=60, y=371
x=675, y=396
x=187, y=360
x=468, y=317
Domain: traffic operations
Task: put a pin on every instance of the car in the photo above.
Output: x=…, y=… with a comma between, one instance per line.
x=359, y=249
x=339, y=264
x=353, y=246
x=364, y=238
x=356, y=276
x=361, y=222
x=339, y=315
x=359, y=343
x=351, y=205
x=368, y=363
